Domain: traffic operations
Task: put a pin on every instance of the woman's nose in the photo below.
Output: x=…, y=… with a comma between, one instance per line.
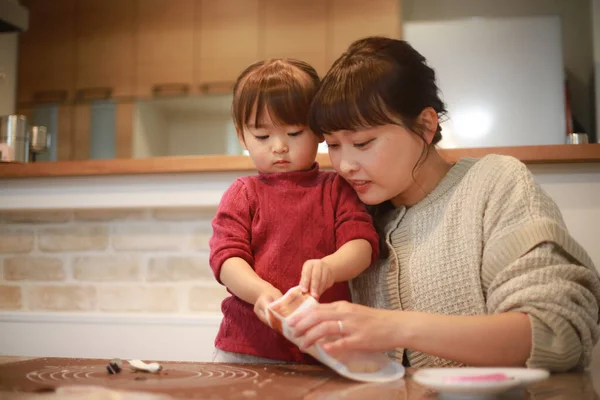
x=347, y=166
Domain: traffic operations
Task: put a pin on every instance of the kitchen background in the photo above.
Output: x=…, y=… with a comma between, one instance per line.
x=151, y=78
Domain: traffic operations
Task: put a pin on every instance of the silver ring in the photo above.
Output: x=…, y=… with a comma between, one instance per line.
x=341, y=326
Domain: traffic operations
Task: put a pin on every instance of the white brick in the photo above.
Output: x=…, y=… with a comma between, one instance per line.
x=106, y=268
x=120, y=298
x=137, y=299
x=34, y=269
x=207, y=298
x=180, y=268
x=36, y=217
x=10, y=297
x=184, y=213
x=16, y=240
x=73, y=238
x=62, y=298
x=155, y=237
x=161, y=299
x=110, y=215
x=201, y=237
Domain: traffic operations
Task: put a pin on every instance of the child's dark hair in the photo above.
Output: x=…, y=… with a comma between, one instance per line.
x=377, y=81
x=283, y=87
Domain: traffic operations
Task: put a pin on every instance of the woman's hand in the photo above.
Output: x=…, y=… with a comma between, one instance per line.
x=357, y=327
x=264, y=299
x=317, y=277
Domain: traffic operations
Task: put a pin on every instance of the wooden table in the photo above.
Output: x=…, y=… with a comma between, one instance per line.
x=45, y=378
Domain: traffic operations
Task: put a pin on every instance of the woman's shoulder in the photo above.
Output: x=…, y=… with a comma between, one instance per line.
x=499, y=165
x=495, y=171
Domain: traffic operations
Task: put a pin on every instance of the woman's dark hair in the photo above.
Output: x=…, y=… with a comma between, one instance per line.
x=377, y=81
x=284, y=87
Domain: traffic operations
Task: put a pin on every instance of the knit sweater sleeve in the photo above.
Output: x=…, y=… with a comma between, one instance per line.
x=231, y=228
x=352, y=221
x=532, y=265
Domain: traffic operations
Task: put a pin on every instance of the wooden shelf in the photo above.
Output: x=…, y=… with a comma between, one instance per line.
x=554, y=154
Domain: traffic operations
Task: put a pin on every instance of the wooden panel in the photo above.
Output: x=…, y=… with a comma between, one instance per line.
x=297, y=29
x=25, y=111
x=354, y=19
x=81, y=132
x=105, y=48
x=64, y=139
x=552, y=154
x=226, y=39
x=46, y=62
x=124, y=130
x=165, y=46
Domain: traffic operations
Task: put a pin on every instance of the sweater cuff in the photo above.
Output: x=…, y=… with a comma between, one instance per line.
x=547, y=353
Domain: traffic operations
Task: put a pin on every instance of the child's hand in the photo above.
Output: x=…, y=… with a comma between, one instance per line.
x=316, y=278
x=266, y=297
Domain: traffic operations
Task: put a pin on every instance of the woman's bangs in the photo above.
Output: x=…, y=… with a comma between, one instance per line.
x=356, y=106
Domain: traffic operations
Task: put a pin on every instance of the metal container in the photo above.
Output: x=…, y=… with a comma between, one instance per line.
x=14, y=139
x=577, y=138
x=39, y=139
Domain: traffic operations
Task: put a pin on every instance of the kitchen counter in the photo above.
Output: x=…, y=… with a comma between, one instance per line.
x=551, y=154
x=29, y=379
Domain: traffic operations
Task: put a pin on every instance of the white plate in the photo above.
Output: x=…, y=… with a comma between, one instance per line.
x=478, y=381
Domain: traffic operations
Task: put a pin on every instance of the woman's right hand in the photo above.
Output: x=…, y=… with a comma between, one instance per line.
x=357, y=327
x=268, y=296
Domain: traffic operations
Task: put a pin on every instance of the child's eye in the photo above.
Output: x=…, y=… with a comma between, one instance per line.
x=363, y=144
x=264, y=137
x=332, y=145
x=294, y=134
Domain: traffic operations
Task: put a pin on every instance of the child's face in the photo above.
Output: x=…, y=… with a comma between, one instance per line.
x=279, y=148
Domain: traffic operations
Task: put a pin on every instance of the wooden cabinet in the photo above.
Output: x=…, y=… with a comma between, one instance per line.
x=77, y=51
x=350, y=20
x=64, y=135
x=47, y=53
x=105, y=48
x=296, y=29
x=81, y=131
x=165, y=46
x=102, y=129
x=227, y=40
x=124, y=130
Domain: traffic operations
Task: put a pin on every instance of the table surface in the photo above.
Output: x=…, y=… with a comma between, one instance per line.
x=50, y=378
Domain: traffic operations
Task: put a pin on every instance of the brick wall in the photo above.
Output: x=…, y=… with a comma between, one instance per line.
x=132, y=261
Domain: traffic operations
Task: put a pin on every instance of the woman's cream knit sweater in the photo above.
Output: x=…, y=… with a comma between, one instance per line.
x=489, y=240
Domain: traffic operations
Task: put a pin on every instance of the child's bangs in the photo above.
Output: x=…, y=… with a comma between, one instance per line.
x=357, y=105
x=283, y=97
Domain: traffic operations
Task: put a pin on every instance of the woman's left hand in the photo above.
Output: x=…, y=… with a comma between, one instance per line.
x=357, y=327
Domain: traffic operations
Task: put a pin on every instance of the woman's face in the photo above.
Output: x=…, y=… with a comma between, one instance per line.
x=378, y=162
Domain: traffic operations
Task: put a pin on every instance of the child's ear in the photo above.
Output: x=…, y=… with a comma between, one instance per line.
x=428, y=121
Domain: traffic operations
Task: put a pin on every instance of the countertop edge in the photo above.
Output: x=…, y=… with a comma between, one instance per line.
x=547, y=154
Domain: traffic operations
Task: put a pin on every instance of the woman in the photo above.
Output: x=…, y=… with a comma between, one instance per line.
x=477, y=266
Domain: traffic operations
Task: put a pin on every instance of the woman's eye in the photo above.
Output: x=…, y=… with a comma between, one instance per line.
x=294, y=134
x=264, y=137
x=363, y=144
